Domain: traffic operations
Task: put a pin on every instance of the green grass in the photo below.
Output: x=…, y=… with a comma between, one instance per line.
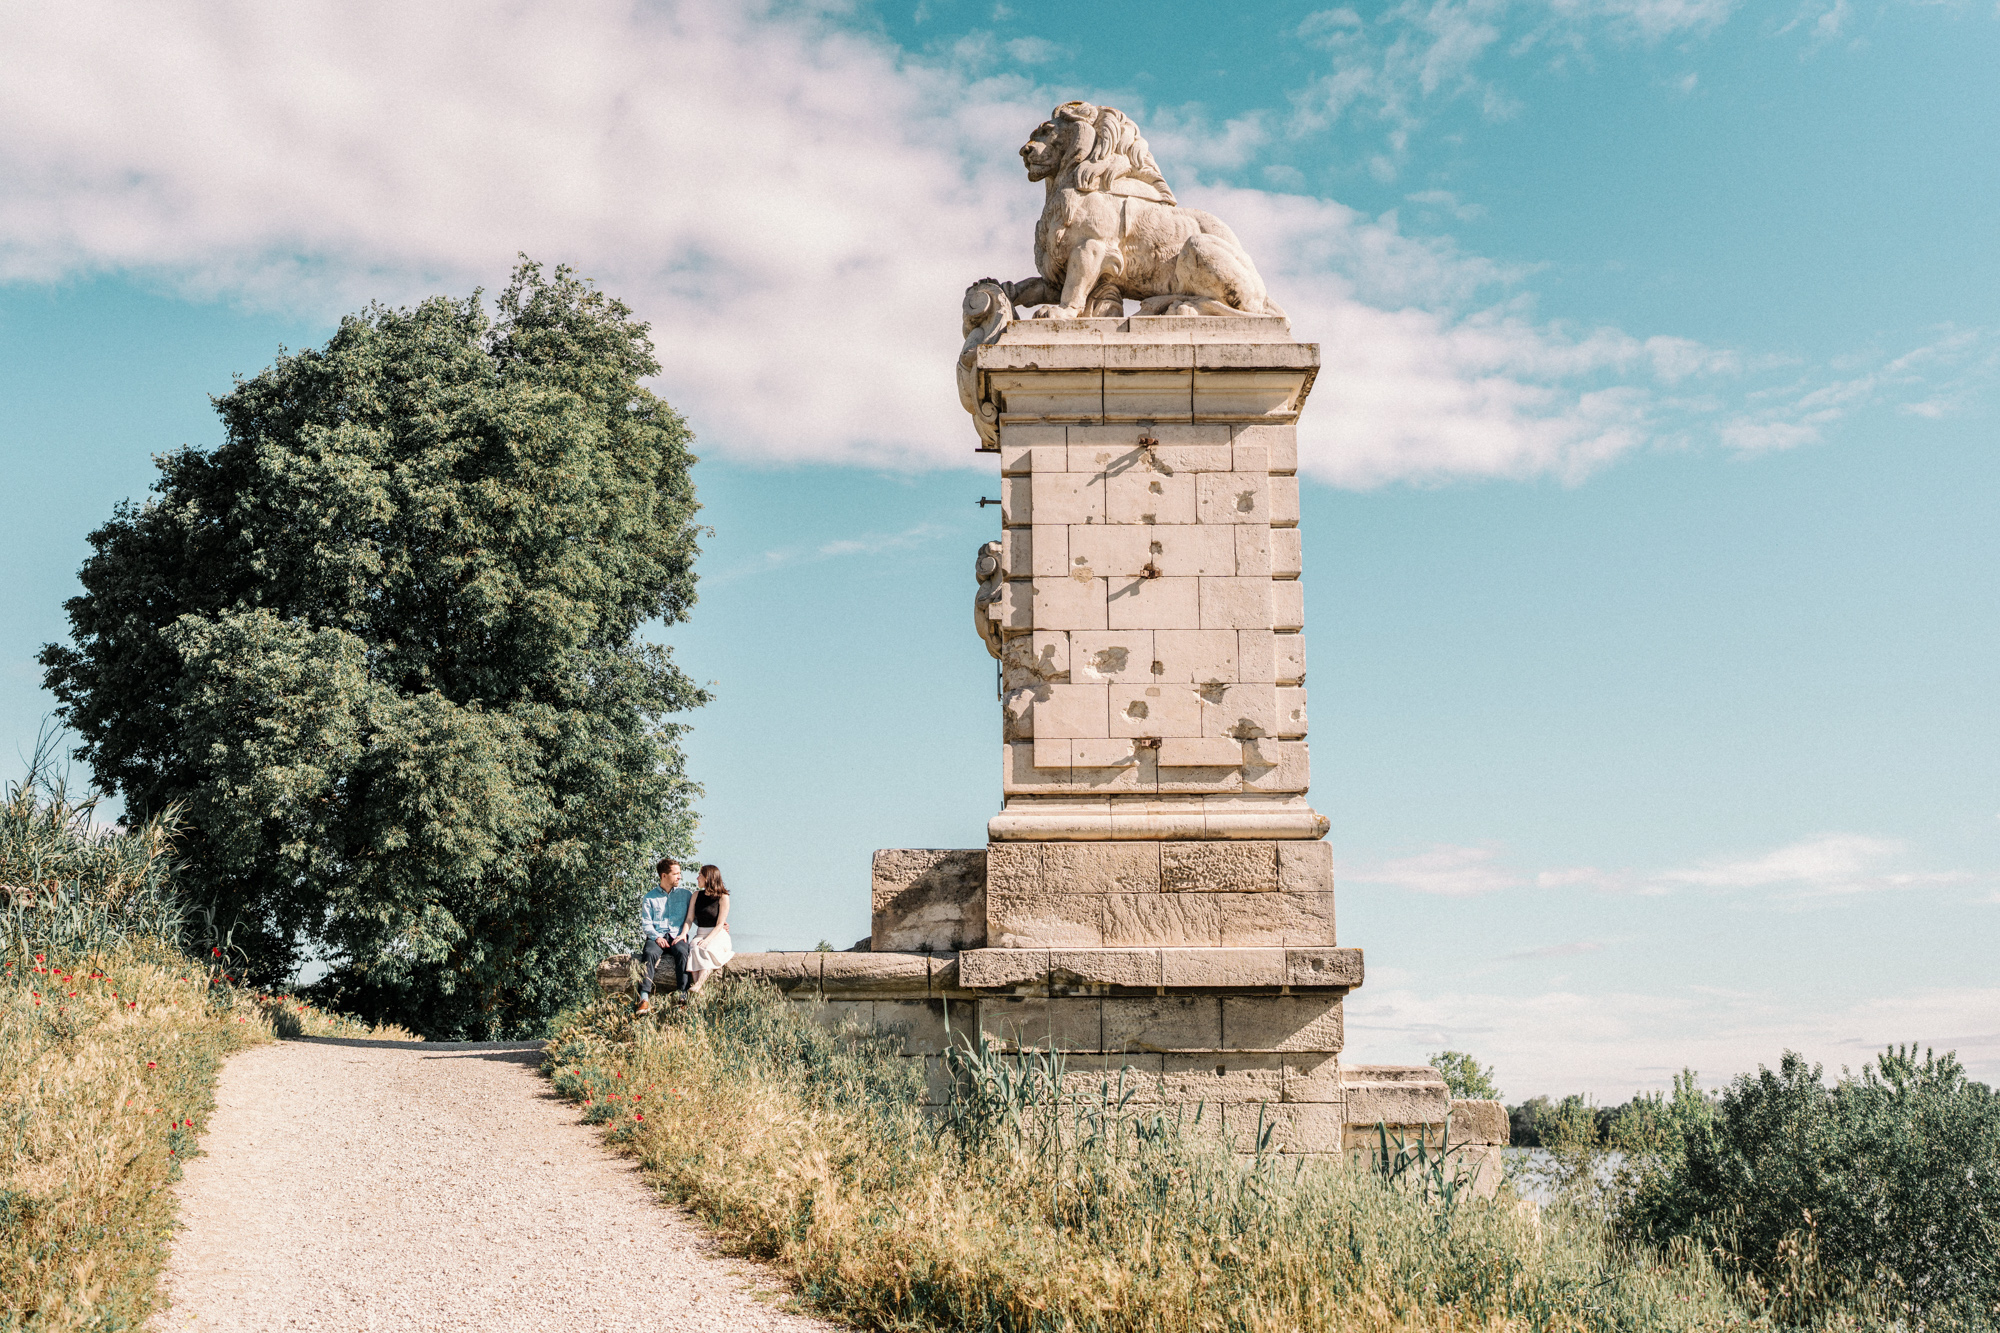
x=1015, y=1212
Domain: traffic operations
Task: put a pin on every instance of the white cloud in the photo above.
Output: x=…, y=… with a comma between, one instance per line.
x=1449, y=872
x=1033, y=50
x=1936, y=379
x=795, y=205
x=1401, y=65
x=1444, y=201
x=1574, y=949
x=1611, y=1044
x=1831, y=863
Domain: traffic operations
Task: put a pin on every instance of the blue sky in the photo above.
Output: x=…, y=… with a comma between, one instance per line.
x=1650, y=559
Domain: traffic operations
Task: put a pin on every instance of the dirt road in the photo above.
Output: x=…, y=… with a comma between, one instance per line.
x=371, y=1185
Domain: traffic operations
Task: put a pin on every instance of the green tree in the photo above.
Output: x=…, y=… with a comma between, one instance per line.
x=1464, y=1077
x=381, y=648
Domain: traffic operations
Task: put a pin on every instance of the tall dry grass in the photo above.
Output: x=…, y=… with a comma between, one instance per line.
x=111, y=1037
x=1017, y=1212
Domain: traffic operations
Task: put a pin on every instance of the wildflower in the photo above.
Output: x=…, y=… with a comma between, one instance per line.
x=217, y=952
x=638, y=1115
x=38, y=958
x=152, y=1064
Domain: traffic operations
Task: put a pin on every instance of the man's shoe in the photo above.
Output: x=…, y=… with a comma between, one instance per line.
x=645, y=1007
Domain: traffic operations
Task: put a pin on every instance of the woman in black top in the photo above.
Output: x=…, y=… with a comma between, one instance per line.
x=708, y=914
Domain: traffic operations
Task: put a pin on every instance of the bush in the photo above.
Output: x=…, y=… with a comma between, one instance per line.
x=1887, y=1183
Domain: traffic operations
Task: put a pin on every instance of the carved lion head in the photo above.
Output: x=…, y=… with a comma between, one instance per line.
x=1099, y=144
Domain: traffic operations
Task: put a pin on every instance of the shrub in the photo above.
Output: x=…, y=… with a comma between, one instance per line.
x=1888, y=1183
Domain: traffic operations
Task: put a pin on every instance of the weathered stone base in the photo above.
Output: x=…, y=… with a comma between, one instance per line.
x=1085, y=895
x=1253, y=1035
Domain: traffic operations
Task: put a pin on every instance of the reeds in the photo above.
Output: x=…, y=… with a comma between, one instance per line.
x=70, y=885
x=1023, y=1208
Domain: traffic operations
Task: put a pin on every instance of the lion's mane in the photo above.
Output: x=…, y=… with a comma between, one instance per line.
x=1103, y=146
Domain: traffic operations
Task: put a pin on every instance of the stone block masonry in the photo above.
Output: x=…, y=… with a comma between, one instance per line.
x=1154, y=901
x=1150, y=645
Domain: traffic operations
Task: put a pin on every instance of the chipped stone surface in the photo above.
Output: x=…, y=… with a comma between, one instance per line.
x=1480, y=1121
x=1281, y=1023
x=1099, y=868
x=879, y=973
x=1268, y=920
x=1162, y=1023
x=1219, y=867
x=1018, y=1022
x=928, y=900
x=1042, y=917
x=1219, y=1078
x=1004, y=969
x=1305, y=867
x=1080, y=969
x=1160, y=919
x=1319, y=967
x=1222, y=967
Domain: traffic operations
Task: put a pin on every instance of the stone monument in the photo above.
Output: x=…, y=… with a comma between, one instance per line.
x=1154, y=899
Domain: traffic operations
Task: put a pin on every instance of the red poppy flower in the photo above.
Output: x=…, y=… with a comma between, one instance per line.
x=152, y=1064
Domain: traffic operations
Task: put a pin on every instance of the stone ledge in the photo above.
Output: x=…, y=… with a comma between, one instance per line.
x=859, y=975
x=1063, y=971
x=1040, y=972
x=1156, y=818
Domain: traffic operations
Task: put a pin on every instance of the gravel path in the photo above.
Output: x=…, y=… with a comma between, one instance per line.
x=373, y=1185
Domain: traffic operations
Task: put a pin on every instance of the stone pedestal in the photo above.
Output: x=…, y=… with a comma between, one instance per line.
x=1154, y=900
x=1152, y=669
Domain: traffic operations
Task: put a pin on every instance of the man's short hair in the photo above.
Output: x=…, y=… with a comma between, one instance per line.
x=666, y=863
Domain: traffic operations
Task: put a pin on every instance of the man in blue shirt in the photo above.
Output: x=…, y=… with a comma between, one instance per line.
x=663, y=915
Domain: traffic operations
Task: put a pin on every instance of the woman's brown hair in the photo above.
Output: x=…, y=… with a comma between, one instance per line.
x=711, y=883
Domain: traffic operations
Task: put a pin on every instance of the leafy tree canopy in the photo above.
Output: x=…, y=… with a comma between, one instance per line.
x=1464, y=1076
x=380, y=647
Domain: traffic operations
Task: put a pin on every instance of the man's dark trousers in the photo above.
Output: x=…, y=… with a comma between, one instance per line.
x=678, y=951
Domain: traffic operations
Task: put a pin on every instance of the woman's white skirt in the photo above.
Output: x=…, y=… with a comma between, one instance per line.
x=711, y=948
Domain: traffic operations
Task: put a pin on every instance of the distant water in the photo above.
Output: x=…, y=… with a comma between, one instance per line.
x=1528, y=1171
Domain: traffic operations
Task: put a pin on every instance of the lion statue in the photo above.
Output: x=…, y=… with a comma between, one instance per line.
x=1111, y=231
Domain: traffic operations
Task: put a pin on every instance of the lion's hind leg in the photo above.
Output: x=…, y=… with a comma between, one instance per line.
x=1216, y=278
x=1185, y=303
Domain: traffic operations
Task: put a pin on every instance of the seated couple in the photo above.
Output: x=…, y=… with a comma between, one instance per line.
x=692, y=929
